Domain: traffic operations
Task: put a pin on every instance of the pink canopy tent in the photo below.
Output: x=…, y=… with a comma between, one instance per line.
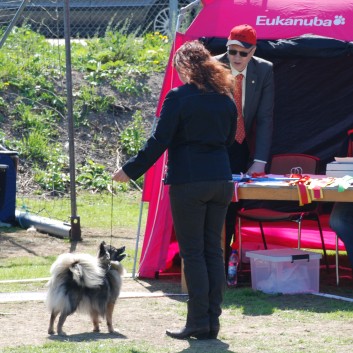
x=279, y=23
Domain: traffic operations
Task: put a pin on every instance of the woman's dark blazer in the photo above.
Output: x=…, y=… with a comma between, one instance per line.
x=196, y=127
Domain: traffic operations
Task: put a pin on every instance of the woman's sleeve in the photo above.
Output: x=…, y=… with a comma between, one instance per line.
x=159, y=140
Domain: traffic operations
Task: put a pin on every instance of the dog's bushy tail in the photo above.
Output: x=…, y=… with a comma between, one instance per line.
x=69, y=272
x=85, y=269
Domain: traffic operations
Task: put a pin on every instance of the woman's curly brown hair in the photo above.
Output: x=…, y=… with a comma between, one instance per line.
x=197, y=65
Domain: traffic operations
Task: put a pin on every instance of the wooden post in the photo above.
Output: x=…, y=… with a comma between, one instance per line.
x=184, y=288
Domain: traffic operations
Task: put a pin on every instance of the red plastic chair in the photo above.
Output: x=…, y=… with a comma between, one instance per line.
x=350, y=143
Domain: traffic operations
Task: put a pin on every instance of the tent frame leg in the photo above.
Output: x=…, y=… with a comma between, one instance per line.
x=137, y=240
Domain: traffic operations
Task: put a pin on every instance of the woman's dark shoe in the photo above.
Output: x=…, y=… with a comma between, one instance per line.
x=186, y=332
x=213, y=333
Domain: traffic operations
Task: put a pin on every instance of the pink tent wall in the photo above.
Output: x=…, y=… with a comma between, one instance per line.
x=272, y=19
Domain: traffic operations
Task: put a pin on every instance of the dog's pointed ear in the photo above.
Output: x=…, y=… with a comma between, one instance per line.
x=102, y=250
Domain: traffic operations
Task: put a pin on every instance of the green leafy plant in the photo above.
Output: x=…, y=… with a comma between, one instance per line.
x=55, y=177
x=130, y=86
x=93, y=176
x=89, y=100
x=34, y=146
x=33, y=99
x=133, y=137
x=156, y=51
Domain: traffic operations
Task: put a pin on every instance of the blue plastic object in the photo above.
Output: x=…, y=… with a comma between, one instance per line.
x=7, y=211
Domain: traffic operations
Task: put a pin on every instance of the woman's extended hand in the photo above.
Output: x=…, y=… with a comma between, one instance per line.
x=120, y=175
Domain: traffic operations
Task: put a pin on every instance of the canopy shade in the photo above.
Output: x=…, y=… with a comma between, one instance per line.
x=310, y=45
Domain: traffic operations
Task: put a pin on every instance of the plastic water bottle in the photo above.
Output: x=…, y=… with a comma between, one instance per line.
x=232, y=278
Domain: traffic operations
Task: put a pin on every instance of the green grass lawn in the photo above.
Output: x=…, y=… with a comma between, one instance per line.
x=101, y=211
x=252, y=321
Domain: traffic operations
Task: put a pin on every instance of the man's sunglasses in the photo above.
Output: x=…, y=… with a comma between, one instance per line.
x=234, y=52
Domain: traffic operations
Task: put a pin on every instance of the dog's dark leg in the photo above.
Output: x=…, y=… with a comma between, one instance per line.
x=61, y=322
x=109, y=317
x=51, y=322
x=95, y=320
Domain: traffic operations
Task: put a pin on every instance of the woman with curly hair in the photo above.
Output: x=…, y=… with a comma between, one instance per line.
x=197, y=123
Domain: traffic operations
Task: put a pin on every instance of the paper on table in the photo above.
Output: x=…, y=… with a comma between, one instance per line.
x=344, y=159
x=266, y=178
x=271, y=180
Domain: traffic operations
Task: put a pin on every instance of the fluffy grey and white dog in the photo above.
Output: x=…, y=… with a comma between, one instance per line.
x=84, y=283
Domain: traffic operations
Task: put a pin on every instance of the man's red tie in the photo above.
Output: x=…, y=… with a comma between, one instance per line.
x=240, y=133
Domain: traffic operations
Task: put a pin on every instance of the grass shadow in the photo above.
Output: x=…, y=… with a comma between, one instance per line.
x=214, y=346
x=166, y=284
x=16, y=244
x=86, y=337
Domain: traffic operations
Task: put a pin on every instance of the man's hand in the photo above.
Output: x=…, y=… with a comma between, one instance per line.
x=257, y=167
x=120, y=175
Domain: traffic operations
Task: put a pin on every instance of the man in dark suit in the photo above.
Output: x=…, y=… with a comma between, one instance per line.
x=249, y=152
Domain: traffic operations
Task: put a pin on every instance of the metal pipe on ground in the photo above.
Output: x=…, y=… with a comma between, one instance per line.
x=43, y=224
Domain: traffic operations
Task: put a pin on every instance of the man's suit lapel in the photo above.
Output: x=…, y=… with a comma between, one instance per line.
x=251, y=80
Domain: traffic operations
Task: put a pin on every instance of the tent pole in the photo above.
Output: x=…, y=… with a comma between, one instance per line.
x=140, y=215
x=137, y=240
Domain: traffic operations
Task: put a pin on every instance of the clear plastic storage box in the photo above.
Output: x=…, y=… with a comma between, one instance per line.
x=286, y=271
